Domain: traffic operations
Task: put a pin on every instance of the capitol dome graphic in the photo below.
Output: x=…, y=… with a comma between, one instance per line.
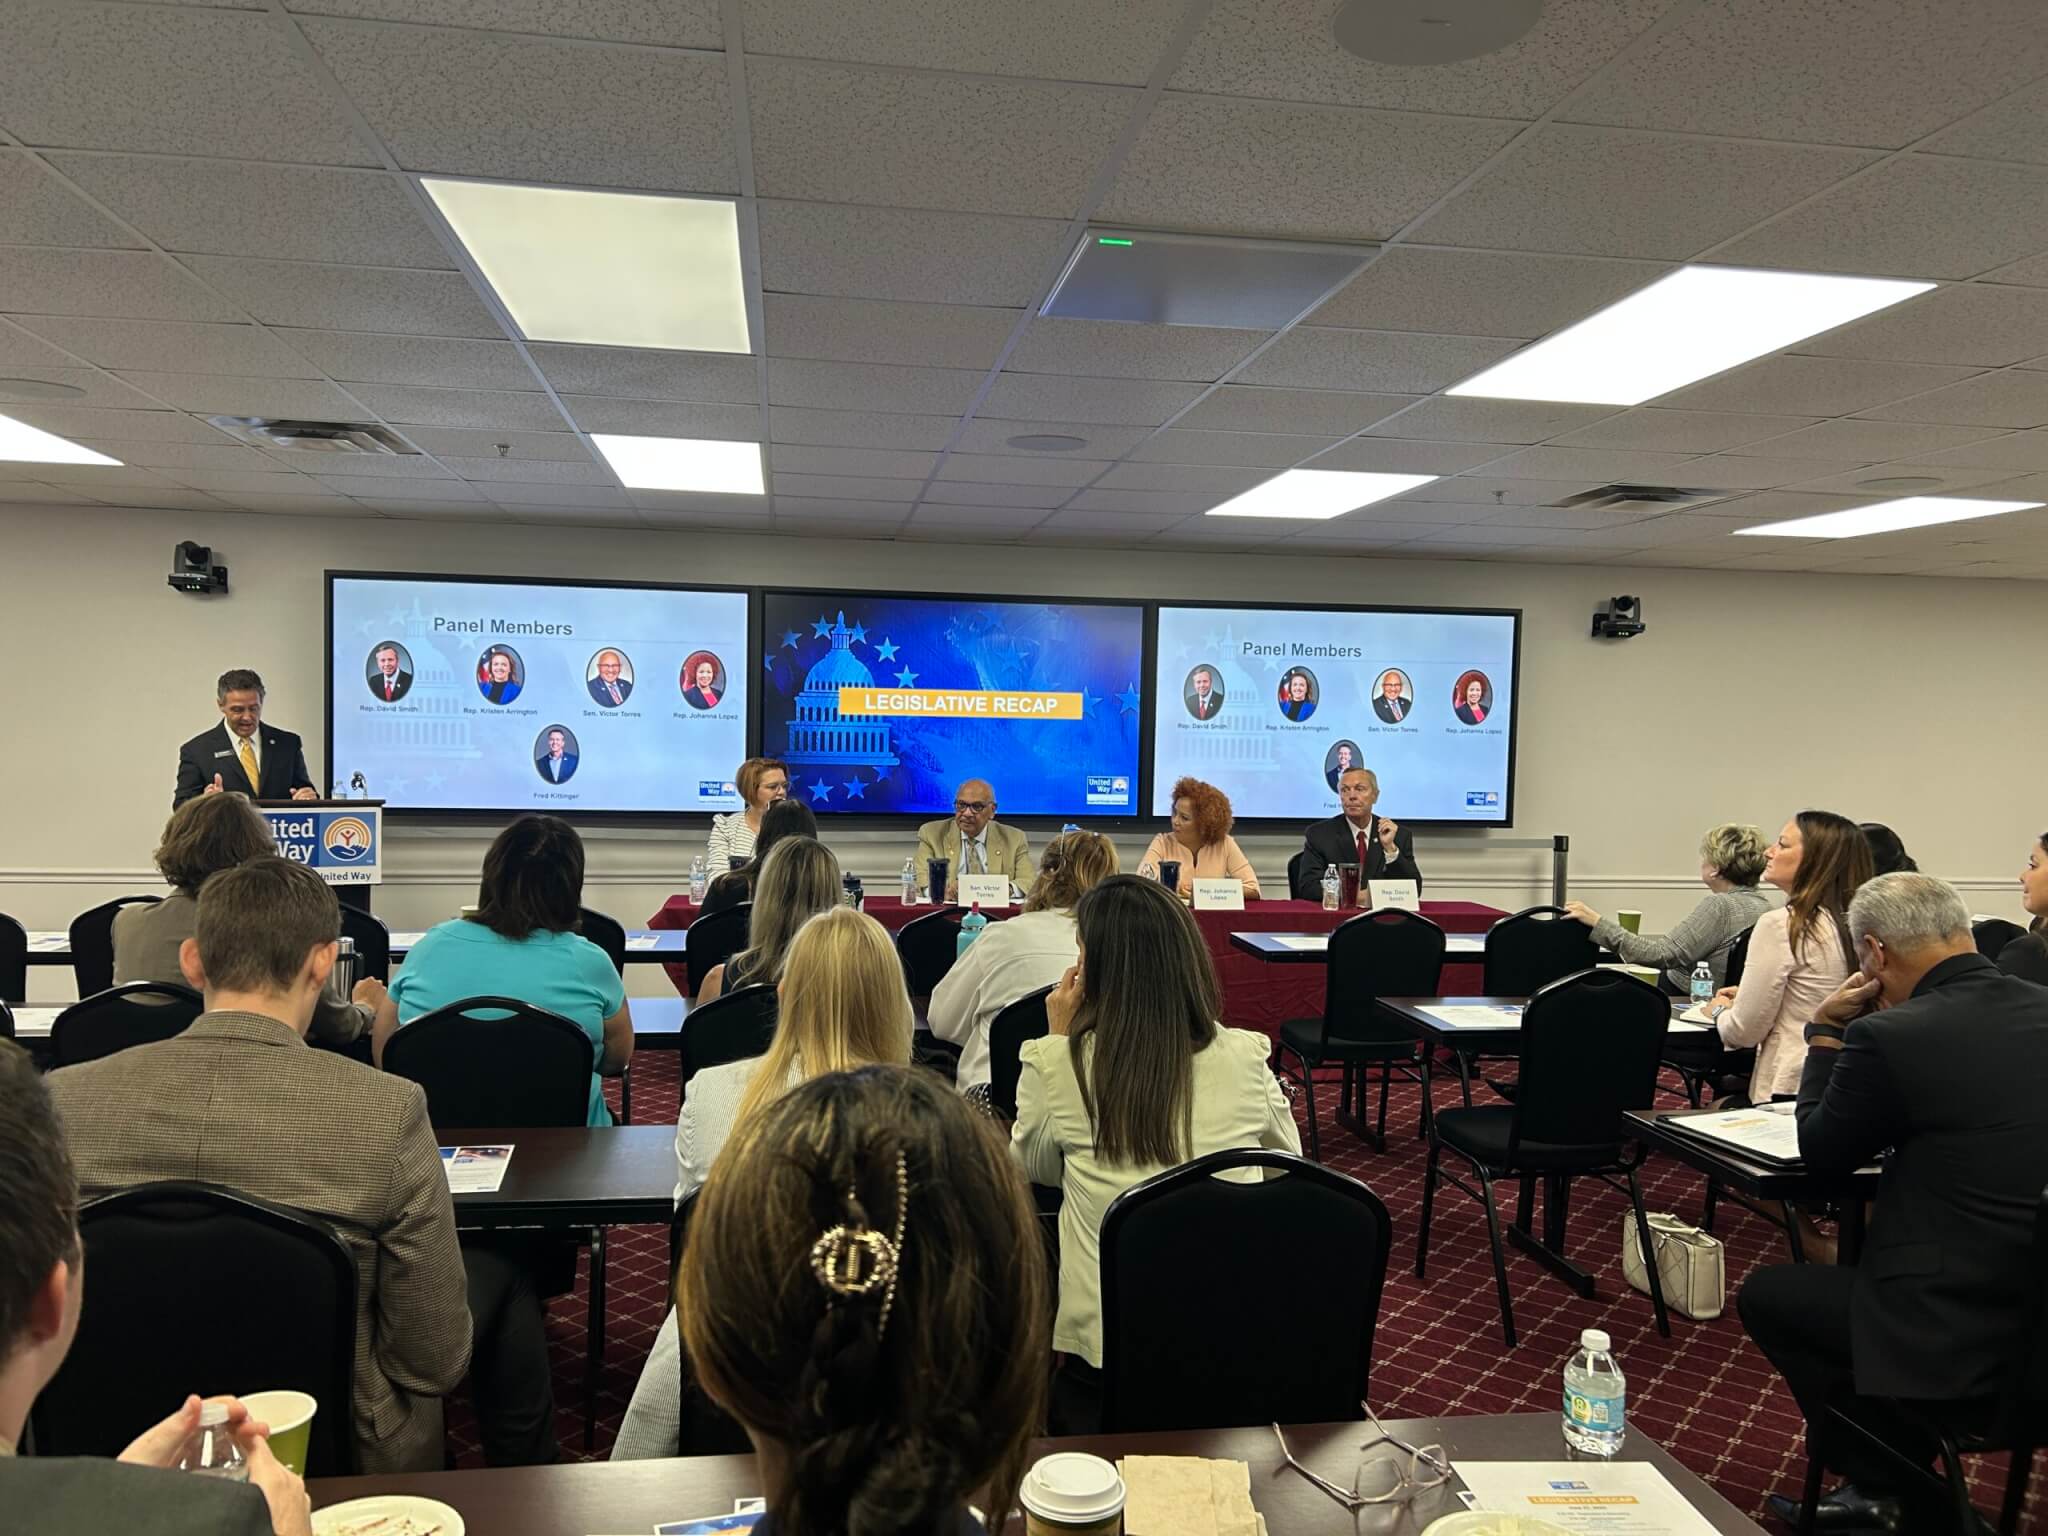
x=820, y=733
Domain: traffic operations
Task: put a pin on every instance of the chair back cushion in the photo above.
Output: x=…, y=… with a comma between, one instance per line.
x=495, y=1061
x=929, y=945
x=1738, y=958
x=92, y=943
x=607, y=933
x=1376, y=955
x=1535, y=946
x=135, y=1013
x=13, y=960
x=1591, y=1048
x=1993, y=934
x=713, y=939
x=734, y=1026
x=371, y=936
x=1013, y=1024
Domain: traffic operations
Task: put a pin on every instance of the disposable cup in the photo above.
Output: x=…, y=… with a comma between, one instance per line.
x=1631, y=921
x=1071, y=1493
x=290, y=1417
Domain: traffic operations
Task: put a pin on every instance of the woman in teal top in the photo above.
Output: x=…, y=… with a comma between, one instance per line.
x=522, y=943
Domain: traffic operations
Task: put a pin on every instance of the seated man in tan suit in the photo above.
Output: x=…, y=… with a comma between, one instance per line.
x=240, y=1099
x=973, y=842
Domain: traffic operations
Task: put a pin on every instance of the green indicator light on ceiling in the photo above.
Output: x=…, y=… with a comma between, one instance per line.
x=1106, y=240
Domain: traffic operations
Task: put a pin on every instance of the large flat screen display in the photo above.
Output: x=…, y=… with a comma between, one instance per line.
x=457, y=694
x=1271, y=705
x=889, y=703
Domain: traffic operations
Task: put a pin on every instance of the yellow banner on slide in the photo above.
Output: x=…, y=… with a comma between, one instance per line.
x=959, y=704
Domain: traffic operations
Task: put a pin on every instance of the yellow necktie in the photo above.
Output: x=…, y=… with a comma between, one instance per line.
x=249, y=763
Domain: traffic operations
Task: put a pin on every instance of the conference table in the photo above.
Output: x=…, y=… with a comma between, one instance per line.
x=52, y=946
x=572, y=1177
x=657, y=1021
x=573, y=1499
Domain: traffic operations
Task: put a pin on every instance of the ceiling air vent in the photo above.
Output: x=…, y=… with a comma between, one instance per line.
x=331, y=437
x=1643, y=498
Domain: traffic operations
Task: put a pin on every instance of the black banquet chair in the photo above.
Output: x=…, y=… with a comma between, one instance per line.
x=1374, y=955
x=713, y=939
x=92, y=943
x=1591, y=1046
x=13, y=960
x=1533, y=948
x=928, y=946
x=1304, y=1242
x=137, y=1013
x=153, y=1326
x=609, y=935
x=371, y=936
x=1013, y=1024
x=735, y=1026
x=1993, y=934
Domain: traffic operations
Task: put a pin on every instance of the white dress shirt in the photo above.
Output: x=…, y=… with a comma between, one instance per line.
x=1013, y=957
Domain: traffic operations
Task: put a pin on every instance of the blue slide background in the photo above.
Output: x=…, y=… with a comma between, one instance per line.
x=1042, y=767
x=444, y=747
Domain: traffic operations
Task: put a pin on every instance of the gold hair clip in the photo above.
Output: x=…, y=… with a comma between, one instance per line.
x=857, y=1260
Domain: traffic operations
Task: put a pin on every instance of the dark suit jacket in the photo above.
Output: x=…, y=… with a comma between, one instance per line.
x=1950, y=1080
x=501, y=693
x=694, y=697
x=1297, y=711
x=1465, y=714
x=598, y=693
x=568, y=768
x=281, y=762
x=401, y=682
x=1387, y=712
x=1334, y=842
x=85, y=1495
x=1215, y=703
x=2027, y=958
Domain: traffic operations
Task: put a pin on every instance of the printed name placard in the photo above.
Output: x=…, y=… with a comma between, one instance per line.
x=990, y=890
x=1399, y=895
x=1219, y=895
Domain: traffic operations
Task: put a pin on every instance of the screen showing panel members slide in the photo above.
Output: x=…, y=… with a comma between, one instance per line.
x=889, y=703
x=447, y=693
x=1272, y=705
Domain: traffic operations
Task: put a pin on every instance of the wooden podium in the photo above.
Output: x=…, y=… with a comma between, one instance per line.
x=342, y=840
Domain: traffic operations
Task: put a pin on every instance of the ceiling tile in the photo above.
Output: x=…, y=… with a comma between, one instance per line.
x=2032, y=273
x=1680, y=431
x=167, y=81
x=965, y=493
x=543, y=472
x=587, y=113
x=1269, y=169
x=2017, y=451
x=1881, y=72
x=332, y=298
x=1282, y=49
x=469, y=443
x=88, y=476
x=223, y=395
x=229, y=481
x=1124, y=402
x=2013, y=129
x=1203, y=478
x=1754, y=471
x=434, y=361
x=911, y=140
x=36, y=492
x=460, y=407
x=847, y=488
x=1048, y=40
x=166, y=346
x=1405, y=456
x=1413, y=517
x=2014, y=398
x=856, y=386
x=370, y=466
x=1811, y=386
x=18, y=347
x=1480, y=293
x=378, y=490
x=1119, y=350
x=882, y=331
x=1873, y=441
x=1951, y=479
x=160, y=426
x=860, y=429
x=170, y=499
x=239, y=208
x=1917, y=216
x=1487, y=490
x=1472, y=420
x=1241, y=408
x=1274, y=450
x=300, y=506
x=666, y=418
x=671, y=23
x=1596, y=464
x=36, y=208
x=1373, y=360
x=1109, y=522
x=136, y=285
x=992, y=434
x=96, y=389
x=907, y=253
x=515, y=494
x=227, y=455
x=1968, y=323
x=996, y=522
x=1180, y=503
x=883, y=463
x=478, y=511
x=1018, y=469
x=1606, y=193
x=650, y=375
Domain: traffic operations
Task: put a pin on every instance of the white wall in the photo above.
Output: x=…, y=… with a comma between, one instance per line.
x=1751, y=696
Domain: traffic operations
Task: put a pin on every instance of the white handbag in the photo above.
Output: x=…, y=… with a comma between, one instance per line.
x=1691, y=1264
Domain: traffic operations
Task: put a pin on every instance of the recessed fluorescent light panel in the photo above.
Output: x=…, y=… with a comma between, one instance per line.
x=1888, y=517
x=21, y=443
x=1317, y=493
x=609, y=269
x=1688, y=325
x=683, y=463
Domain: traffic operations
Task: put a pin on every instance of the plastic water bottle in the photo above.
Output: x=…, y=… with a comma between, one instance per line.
x=211, y=1451
x=1595, y=1395
x=910, y=882
x=970, y=929
x=698, y=881
x=1330, y=888
x=1702, y=985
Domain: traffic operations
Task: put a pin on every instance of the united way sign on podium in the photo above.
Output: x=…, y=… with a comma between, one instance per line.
x=342, y=839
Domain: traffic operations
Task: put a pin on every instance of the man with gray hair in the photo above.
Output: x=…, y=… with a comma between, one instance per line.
x=1931, y=1057
x=243, y=753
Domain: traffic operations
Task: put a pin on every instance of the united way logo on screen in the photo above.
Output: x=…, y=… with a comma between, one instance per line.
x=1482, y=799
x=347, y=840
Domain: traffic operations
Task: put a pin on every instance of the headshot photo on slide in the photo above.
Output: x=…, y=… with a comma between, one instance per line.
x=1202, y=691
x=555, y=754
x=609, y=677
x=703, y=680
x=388, y=672
x=500, y=674
x=1299, y=694
x=1472, y=699
x=1393, y=696
x=1340, y=760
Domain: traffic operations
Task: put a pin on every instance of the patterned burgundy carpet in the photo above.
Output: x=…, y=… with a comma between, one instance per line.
x=1706, y=1394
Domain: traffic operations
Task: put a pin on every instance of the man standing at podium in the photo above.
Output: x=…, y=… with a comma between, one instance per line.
x=242, y=752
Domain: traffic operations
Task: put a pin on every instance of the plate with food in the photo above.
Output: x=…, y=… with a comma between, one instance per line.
x=390, y=1514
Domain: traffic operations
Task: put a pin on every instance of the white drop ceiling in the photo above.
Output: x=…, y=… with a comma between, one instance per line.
x=212, y=208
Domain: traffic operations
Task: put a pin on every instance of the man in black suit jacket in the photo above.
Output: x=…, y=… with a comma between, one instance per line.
x=1930, y=1051
x=219, y=759
x=1390, y=704
x=608, y=687
x=388, y=679
x=1389, y=848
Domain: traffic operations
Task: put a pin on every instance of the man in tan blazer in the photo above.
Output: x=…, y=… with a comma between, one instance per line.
x=240, y=1099
x=973, y=842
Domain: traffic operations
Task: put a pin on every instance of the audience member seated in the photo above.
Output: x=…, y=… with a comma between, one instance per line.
x=1135, y=1077
x=208, y=833
x=1888, y=854
x=761, y=782
x=522, y=943
x=2027, y=956
x=1928, y=1051
x=843, y=1006
x=1731, y=859
x=796, y=882
x=1012, y=958
x=785, y=818
x=239, y=1099
x=864, y=1290
x=1798, y=953
x=1200, y=841
x=42, y=1284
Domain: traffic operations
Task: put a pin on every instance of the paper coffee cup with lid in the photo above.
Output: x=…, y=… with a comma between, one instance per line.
x=1071, y=1493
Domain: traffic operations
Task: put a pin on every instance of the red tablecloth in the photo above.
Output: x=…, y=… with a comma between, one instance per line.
x=1256, y=994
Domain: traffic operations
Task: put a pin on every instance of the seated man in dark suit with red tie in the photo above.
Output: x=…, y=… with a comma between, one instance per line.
x=1380, y=848
x=242, y=752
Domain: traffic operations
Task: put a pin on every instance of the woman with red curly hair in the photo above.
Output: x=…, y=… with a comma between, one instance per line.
x=1200, y=841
